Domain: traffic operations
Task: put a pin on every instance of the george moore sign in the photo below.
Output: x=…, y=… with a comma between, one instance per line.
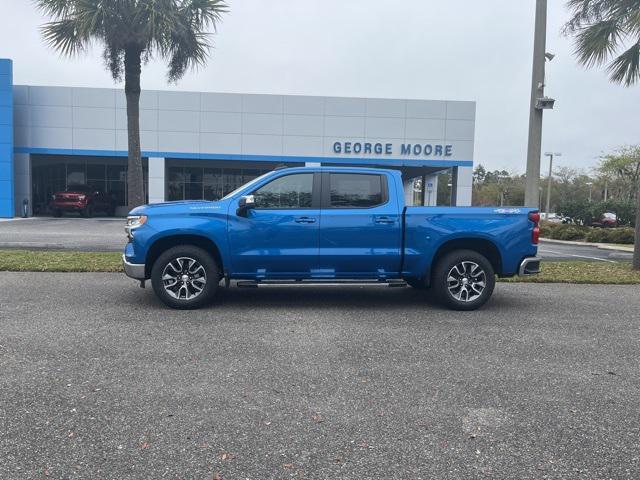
x=410, y=149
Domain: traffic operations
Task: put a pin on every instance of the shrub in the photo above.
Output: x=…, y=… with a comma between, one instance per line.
x=546, y=228
x=598, y=235
x=570, y=233
x=560, y=231
x=622, y=235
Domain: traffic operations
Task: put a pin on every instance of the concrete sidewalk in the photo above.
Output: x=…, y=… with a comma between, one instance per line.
x=603, y=246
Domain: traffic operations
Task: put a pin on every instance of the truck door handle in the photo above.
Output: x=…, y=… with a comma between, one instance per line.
x=305, y=220
x=384, y=220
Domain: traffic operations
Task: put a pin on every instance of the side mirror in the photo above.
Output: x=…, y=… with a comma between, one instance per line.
x=245, y=203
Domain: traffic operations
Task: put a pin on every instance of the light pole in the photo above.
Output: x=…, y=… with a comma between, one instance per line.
x=538, y=104
x=550, y=155
x=502, y=188
x=590, y=184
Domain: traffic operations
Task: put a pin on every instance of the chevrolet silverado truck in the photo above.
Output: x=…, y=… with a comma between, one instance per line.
x=327, y=224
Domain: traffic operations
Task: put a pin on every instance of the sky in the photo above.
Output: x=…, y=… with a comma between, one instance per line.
x=424, y=49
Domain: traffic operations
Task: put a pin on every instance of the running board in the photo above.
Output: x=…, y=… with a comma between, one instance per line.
x=254, y=284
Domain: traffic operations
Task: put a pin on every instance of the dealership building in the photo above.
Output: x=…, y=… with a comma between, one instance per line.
x=202, y=145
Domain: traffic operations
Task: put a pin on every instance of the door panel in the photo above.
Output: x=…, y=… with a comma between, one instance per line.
x=360, y=226
x=280, y=237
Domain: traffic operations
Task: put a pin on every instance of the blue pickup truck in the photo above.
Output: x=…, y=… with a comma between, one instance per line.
x=327, y=224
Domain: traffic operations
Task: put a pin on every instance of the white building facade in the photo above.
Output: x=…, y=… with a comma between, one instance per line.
x=201, y=145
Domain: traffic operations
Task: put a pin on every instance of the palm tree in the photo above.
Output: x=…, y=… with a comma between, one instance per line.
x=131, y=33
x=607, y=33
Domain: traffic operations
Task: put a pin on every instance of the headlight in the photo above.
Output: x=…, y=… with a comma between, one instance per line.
x=133, y=222
x=81, y=197
x=53, y=197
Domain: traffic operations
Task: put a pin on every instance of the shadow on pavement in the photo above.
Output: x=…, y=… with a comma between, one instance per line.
x=365, y=298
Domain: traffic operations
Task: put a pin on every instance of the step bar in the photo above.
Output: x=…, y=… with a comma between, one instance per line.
x=316, y=282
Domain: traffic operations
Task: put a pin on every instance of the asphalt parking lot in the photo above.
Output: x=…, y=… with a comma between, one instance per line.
x=67, y=233
x=100, y=381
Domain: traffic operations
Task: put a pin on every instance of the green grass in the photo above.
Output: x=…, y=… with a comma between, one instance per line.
x=583, y=272
x=59, y=261
x=64, y=261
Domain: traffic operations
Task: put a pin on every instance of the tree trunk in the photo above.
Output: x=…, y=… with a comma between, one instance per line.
x=636, y=248
x=135, y=183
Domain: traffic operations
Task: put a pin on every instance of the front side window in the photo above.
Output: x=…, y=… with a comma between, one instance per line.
x=355, y=190
x=290, y=191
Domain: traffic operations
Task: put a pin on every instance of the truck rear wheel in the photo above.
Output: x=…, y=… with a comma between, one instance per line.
x=463, y=280
x=185, y=277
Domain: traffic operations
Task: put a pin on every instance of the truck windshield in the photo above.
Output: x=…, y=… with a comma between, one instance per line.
x=241, y=187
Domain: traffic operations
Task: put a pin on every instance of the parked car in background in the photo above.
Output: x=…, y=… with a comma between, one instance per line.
x=551, y=217
x=82, y=199
x=608, y=220
x=328, y=224
x=556, y=218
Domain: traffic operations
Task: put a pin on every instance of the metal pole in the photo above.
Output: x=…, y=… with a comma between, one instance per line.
x=535, y=115
x=549, y=186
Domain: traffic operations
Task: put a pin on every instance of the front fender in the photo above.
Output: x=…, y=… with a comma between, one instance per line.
x=212, y=227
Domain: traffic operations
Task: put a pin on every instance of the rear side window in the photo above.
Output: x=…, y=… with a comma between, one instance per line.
x=290, y=191
x=355, y=190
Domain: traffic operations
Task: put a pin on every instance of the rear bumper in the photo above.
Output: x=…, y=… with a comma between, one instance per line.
x=134, y=270
x=529, y=266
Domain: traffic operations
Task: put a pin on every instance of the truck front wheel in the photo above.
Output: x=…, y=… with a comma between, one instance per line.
x=185, y=277
x=463, y=280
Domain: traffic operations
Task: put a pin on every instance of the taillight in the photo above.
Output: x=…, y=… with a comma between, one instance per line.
x=535, y=218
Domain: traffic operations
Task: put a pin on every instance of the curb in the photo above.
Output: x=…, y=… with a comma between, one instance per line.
x=602, y=246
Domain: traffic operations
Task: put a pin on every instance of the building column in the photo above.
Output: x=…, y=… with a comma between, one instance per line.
x=7, y=207
x=407, y=185
x=156, y=179
x=22, y=182
x=461, y=189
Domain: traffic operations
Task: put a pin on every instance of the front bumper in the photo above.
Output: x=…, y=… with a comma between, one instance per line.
x=68, y=206
x=134, y=270
x=529, y=266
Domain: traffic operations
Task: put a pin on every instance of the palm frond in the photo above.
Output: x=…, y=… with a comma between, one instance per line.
x=595, y=43
x=190, y=50
x=626, y=67
x=203, y=14
x=55, y=8
x=176, y=30
x=65, y=36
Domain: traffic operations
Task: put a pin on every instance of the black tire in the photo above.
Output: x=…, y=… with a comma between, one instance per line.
x=162, y=267
x=57, y=212
x=87, y=212
x=460, y=264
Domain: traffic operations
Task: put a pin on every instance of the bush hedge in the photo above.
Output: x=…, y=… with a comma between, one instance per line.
x=559, y=231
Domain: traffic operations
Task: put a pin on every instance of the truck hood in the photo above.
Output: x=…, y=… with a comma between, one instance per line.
x=181, y=206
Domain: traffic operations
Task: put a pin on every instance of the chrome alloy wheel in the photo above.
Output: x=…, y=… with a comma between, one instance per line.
x=466, y=281
x=184, y=278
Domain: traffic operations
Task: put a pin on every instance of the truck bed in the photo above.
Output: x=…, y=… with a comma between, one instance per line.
x=427, y=229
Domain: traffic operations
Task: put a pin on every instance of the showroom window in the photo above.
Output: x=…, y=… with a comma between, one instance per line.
x=197, y=183
x=52, y=173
